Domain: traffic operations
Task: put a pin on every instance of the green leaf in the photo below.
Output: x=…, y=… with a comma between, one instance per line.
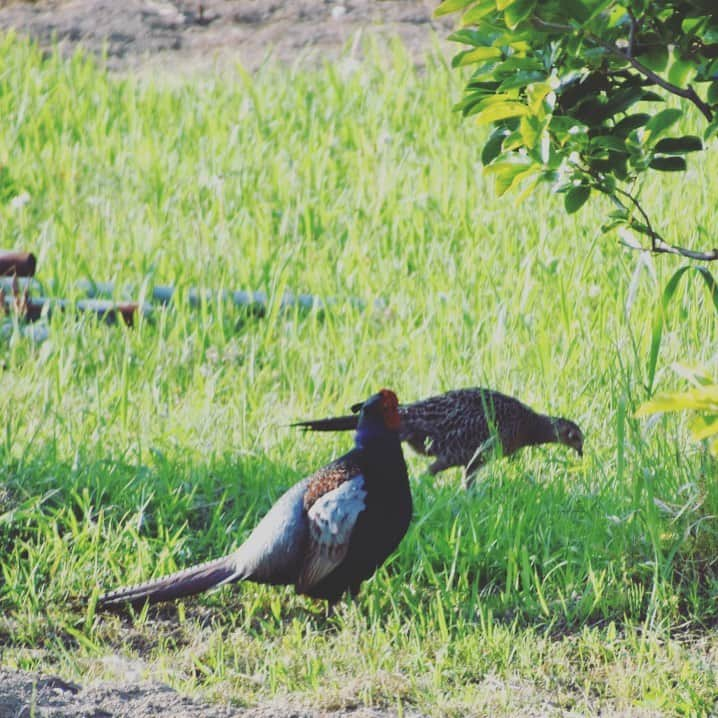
x=679, y=145
x=614, y=162
x=656, y=58
x=468, y=36
x=621, y=100
x=518, y=11
x=449, y=6
x=712, y=129
x=563, y=127
x=691, y=25
x=617, y=14
x=609, y=142
x=532, y=130
x=521, y=79
x=500, y=111
x=712, y=94
x=487, y=87
x=662, y=121
x=703, y=398
x=539, y=97
x=680, y=71
x=575, y=198
x=469, y=102
x=477, y=13
x=510, y=173
x=492, y=148
x=631, y=122
x=649, y=96
x=478, y=54
x=576, y=10
x=668, y=164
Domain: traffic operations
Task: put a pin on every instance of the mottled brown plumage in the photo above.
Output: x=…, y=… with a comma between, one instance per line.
x=465, y=427
x=328, y=478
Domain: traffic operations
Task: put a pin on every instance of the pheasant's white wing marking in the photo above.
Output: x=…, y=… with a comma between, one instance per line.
x=332, y=518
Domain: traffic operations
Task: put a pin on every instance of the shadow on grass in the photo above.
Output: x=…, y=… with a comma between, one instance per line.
x=552, y=554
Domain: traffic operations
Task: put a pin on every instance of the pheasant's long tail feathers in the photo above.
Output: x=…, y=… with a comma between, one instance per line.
x=335, y=423
x=177, y=585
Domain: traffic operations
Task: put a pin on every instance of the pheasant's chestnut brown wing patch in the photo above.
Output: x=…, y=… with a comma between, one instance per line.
x=329, y=478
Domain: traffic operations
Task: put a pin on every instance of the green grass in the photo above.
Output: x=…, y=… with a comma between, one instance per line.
x=556, y=584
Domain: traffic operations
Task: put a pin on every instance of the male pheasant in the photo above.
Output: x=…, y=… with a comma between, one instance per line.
x=326, y=534
x=465, y=427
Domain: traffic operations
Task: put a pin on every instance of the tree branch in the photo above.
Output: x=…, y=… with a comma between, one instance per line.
x=711, y=256
x=688, y=94
x=661, y=247
x=658, y=244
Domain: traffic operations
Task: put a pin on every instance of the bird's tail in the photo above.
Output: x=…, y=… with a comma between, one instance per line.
x=335, y=423
x=177, y=585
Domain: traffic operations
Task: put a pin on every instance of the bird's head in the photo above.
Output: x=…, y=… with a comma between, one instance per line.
x=568, y=433
x=379, y=413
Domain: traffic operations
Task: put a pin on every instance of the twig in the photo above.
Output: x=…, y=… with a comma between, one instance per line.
x=540, y=24
x=652, y=232
x=658, y=244
x=661, y=247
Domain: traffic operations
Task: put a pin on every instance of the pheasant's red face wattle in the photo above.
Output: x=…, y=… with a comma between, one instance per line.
x=390, y=409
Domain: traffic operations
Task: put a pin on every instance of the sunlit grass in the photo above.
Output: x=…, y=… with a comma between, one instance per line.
x=129, y=453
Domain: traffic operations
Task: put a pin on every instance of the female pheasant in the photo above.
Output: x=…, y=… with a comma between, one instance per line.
x=326, y=534
x=465, y=427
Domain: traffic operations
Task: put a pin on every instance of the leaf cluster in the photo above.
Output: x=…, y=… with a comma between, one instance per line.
x=702, y=398
x=576, y=92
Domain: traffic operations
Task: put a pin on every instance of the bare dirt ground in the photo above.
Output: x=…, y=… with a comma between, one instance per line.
x=23, y=695
x=138, y=33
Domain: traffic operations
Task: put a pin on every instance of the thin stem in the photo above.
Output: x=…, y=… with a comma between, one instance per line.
x=658, y=244
x=632, y=33
x=634, y=200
